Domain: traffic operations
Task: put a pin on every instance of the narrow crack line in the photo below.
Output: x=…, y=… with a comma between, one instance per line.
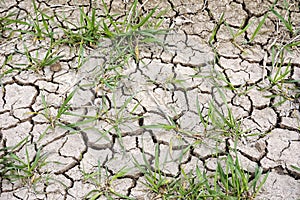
x=67, y=168
x=285, y=148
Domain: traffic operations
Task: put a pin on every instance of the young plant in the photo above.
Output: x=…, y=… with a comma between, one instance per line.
x=121, y=117
x=5, y=22
x=104, y=183
x=109, y=75
x=38, y=64
x=9, y=23
x=190, y=186
x=40, y=30
x=62, y=110
x=234, y=182
x=87, y=32
x=242, y=29
x=228, y=125
x=281, y=85
x=155, y=180
x=24, y=170
x=3, y=71
x=287, y=22
x=220, y=120
x=134, y=31
x=5, y=161
x=215, y=30
x=281, y=74
x=230, y=183
x=260, y=24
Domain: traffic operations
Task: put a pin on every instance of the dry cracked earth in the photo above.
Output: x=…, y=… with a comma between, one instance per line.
x=154, y=109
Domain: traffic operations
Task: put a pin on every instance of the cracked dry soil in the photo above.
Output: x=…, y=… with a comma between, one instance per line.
x=165, y=84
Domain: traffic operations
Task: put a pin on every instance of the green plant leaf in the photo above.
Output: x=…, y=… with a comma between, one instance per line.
x=64, y=107
x=258, y=27
x=287, y=24
x=145, y=19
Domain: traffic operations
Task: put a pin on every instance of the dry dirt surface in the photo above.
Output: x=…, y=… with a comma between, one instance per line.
x=214, y=87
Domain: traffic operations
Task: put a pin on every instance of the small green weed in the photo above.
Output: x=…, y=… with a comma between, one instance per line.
x=287, y=22
x=222, y=121
x=242, y=29
x=229, y=183
x=38, y=64
x=216, y=28
x=87, y=32
x=156, y=181
x=7, y=24
x=281, y=85
x=234, y=182
x=134, y=31
x=260, y=24
x=104, y=183
x=25, y=170
x=121, y=117
x=40, y=25
x=62, y=110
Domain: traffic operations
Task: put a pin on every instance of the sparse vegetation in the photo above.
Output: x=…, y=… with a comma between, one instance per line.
x=229, y=181
x=24, y=169
x=119, y=38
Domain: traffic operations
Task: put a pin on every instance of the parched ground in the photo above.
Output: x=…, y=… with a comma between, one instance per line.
x=221, y=83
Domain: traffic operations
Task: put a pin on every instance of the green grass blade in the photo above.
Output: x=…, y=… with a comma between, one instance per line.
x=157, y=157
x=258, y=27
x=216, y=28
x=294, y=44
x=295, y=167
x=63, y=108
x=287, y=24
x=240, y=32
x=145, y=19
x=204, y=123
x=28, y=160
x=261, y=183
x=36, y=161
x=106, y=30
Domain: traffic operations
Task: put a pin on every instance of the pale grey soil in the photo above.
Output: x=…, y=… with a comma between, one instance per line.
x=159, y=88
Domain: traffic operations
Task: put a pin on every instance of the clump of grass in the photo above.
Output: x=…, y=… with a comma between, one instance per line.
x=8, y=25
x=287, y=22
x=136, y=30
x=118, y=37
x=54, y=119
x=281, y=85
x=234, y=182
x=87, y=32
x=62, y=110
x=24, y=170
x=228, y=125
x=134, y=26
x=36, y=63
x=229, y=181
x=5, y=21
x=40, y=27
x=104, y=183
x=156, y=181
x=218, y=118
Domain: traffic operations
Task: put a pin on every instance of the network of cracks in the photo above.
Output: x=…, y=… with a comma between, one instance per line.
x=169, y=106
